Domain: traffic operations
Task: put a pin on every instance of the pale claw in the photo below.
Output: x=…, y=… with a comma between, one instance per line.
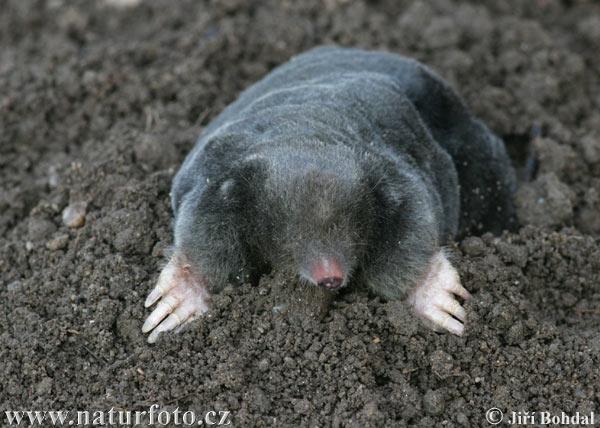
x=183, y=297
x=434, y=300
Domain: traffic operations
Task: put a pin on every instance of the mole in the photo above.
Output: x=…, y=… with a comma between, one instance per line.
x=340, y=165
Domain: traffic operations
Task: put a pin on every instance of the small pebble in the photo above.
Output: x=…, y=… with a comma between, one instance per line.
x=462, y=419
x=515, y=334
x=371, y=410
x=39, y=229
x=289, y=362
x=591, y=149
x=473, y=246
x=14, y=286
x=44, y=386
x=263, y=365
x=302, y=407
x=74, y=215
x=433, y=402
x=545, y=202
x=442, y=364
x=58, y=243
x=53, y=177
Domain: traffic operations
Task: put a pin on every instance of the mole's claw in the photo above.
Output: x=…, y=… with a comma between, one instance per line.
x=450, y=305
x=164, y=284
x=152, y=297
x=183, y=296
x=434, y=300
x=178, y=317
x=165, y=306
x=454, y=286
x=443, y=321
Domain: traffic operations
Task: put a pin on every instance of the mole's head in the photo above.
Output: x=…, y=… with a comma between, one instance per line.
x=315, y=213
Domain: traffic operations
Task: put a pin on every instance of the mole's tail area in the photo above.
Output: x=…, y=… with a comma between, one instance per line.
x=486, y=176
x=487, y=179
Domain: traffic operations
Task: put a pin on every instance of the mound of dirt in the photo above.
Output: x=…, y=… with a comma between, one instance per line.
x=100, y=104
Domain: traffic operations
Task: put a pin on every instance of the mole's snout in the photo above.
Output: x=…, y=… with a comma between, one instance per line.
x=331, y=283
x=328, y=273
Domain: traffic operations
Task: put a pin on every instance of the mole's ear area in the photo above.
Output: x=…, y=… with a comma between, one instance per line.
x=246, y=179
x=386, y=187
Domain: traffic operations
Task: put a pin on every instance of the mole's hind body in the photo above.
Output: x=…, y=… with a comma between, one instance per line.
x=339, y=163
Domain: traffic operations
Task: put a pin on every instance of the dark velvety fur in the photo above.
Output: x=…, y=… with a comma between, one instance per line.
x=365, y=156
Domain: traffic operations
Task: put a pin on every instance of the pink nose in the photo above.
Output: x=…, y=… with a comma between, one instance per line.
x=328, y=273
x=331, y=283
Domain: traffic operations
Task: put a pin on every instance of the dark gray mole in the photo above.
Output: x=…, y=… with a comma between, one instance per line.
x=367, y=158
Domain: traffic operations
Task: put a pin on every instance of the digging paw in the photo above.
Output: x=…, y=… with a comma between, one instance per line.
x=434, y=299
x=181, y=297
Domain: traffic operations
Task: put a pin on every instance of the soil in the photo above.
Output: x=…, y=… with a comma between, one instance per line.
x=99, y=104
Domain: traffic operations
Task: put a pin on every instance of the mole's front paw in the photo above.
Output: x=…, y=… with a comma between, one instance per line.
x=183, y=297
x=434, y=299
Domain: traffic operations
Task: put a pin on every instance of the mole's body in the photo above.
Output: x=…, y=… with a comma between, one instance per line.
x=339, y=163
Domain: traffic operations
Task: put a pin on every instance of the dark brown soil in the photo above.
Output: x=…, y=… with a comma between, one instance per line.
x=100, y=104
